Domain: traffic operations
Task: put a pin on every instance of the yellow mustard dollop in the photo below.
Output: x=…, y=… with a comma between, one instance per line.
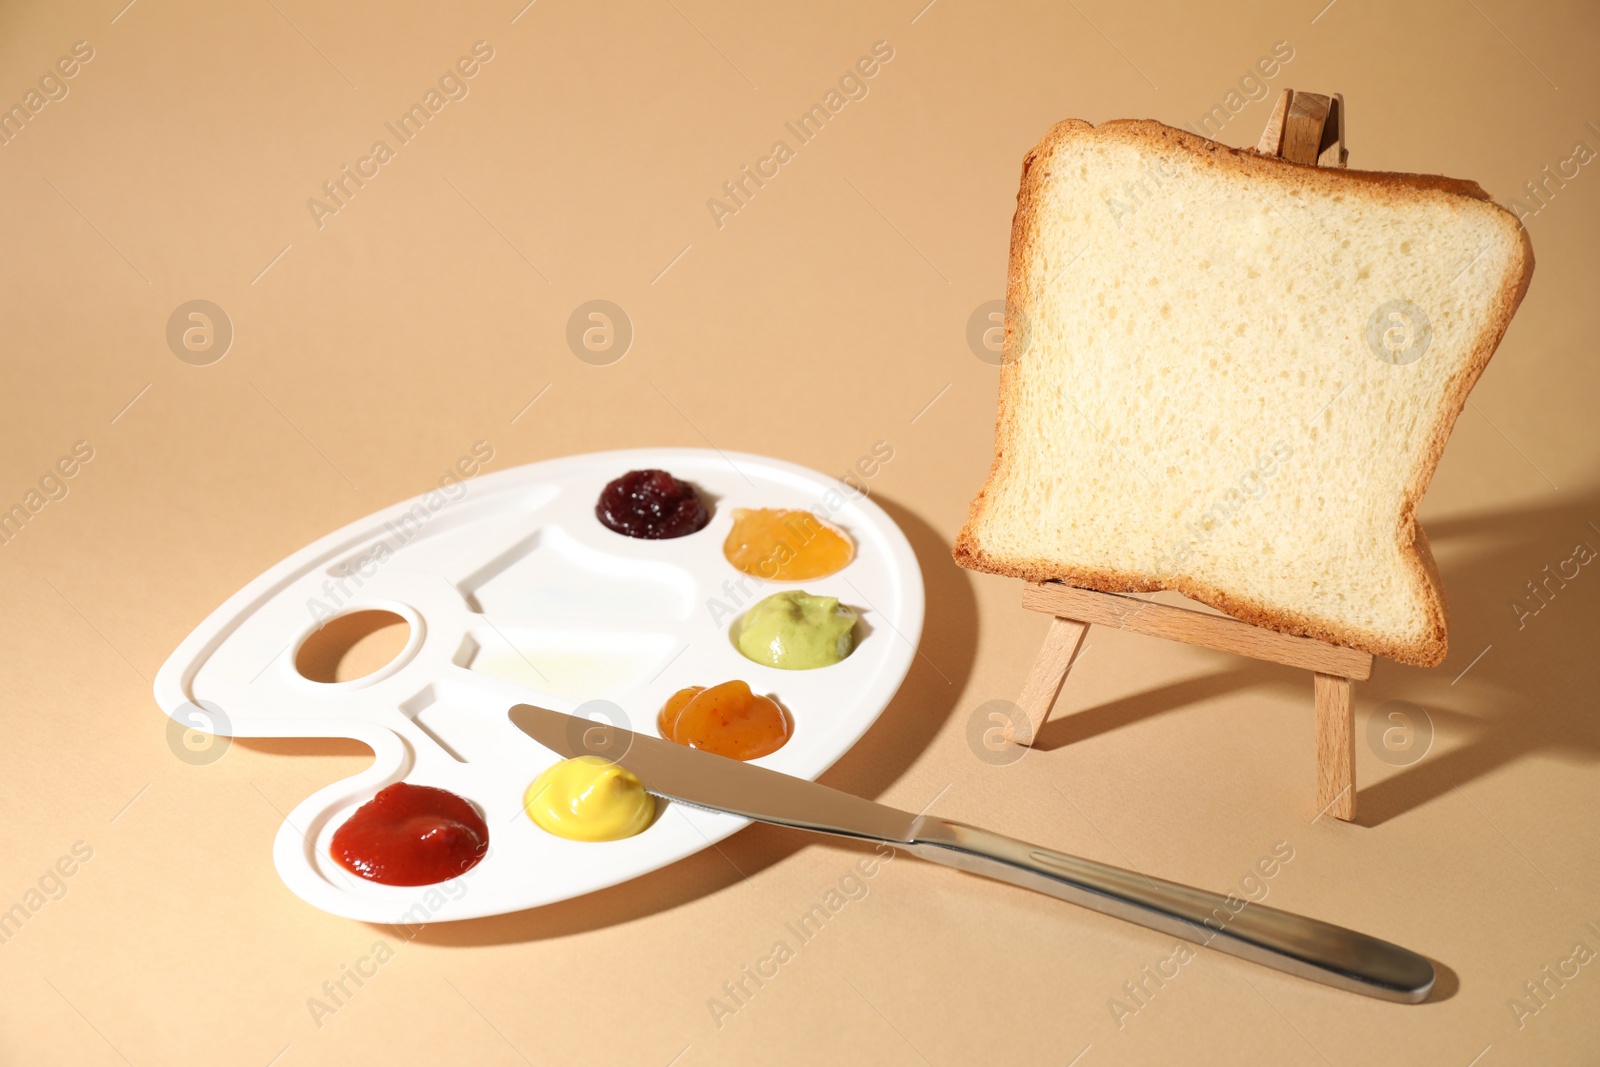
x=589, y=799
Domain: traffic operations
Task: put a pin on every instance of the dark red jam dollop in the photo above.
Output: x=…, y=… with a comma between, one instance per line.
x=651, y=504
x=411, y=835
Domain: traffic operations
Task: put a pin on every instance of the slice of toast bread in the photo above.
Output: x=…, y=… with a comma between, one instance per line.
x=1233, y=376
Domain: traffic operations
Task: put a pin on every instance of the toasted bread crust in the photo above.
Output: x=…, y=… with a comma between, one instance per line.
x=1427, y=651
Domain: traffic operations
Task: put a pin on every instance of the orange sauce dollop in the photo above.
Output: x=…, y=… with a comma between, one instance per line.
x=727, y=719
x=785, y=545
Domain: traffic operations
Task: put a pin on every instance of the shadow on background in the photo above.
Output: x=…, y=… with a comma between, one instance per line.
x=302, y=747
x=1068, y=729
x=937, y=678
x=1532, y=692
x=1446, y=983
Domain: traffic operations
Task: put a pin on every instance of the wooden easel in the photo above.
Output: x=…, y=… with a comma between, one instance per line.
x=1306, y=128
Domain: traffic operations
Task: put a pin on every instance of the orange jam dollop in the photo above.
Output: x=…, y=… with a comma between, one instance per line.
x=785, y=545
x=727, y=719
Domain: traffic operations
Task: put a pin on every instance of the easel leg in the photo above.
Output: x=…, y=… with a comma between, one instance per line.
x=1049, y=671
x=1336, y=747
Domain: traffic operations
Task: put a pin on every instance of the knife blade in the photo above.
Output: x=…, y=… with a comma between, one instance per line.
x=1308, y=948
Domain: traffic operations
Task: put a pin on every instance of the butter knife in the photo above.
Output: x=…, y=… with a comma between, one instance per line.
x=1307, y=948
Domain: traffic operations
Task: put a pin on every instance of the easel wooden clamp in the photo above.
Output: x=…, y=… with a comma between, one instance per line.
x=1305, y=128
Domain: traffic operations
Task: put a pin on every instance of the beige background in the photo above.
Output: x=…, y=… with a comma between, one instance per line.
x=828, y=314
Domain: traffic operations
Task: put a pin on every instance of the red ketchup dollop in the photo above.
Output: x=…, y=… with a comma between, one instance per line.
x=651, y=504
x=411, y=835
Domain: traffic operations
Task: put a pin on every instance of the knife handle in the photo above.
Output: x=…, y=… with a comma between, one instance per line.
x=1307, y=948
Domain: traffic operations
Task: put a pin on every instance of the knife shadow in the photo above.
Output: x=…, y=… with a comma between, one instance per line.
x=1446, y=983
x=937, y=678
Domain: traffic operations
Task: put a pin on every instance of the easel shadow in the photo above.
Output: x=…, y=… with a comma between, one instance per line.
x=1522, y=697
x=1526, y=694
x=1063, y=730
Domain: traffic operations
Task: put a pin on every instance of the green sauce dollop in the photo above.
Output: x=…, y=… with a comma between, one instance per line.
x=796, y=631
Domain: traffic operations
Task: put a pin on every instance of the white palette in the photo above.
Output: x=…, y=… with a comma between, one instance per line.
x=516, y=593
